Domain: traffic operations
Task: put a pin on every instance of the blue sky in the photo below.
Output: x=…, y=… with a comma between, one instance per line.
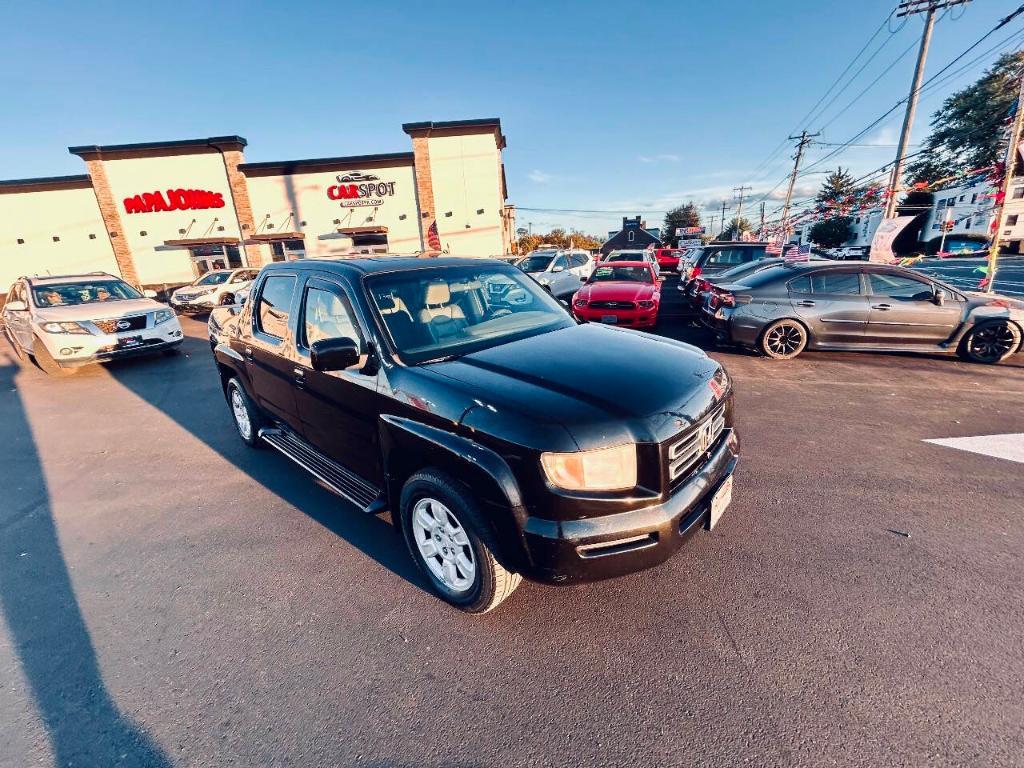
x=608, y=107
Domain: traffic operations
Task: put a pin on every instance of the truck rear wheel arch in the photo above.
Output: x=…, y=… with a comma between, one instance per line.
x=409, y=446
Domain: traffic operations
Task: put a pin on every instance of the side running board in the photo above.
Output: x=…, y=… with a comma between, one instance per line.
x=332, y=475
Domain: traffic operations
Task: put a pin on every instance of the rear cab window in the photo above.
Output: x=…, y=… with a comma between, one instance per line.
x=273, y=308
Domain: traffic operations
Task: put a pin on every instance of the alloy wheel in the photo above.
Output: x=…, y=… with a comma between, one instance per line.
x=784, y=340
x=992, y=343
x=442, y=542
x=241, y=413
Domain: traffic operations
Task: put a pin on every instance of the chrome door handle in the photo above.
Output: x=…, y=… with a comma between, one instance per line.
x=248, y=352
x=805, y=303
x=883, y=307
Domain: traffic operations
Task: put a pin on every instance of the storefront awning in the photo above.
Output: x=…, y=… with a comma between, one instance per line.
x=273, y=237
x=202, y=241
x=362, y=230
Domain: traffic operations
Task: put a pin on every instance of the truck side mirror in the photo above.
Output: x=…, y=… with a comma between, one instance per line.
x=334, y=354
x=939, y=297
x=149, y=293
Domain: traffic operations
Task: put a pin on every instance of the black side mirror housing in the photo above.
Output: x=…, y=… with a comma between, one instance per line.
x=939, y=297
x=334, y=354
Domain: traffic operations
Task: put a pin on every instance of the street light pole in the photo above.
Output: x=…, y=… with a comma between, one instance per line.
x=911, y=8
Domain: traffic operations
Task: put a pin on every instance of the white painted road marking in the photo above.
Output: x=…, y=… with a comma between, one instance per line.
x=1010, y=447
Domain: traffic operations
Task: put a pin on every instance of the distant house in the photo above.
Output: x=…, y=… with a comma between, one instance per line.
x=633, y=235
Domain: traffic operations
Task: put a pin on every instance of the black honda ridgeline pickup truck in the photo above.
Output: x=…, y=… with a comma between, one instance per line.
x=506, y=439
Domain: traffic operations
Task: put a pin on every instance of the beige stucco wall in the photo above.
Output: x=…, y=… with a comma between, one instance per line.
x=466, y=173
x=131, y=176
x=38, y=217
x=275, y=197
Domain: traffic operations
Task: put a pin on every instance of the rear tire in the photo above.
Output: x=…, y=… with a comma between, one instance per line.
x=783, y=340
x=452, y=544
x=245, y=414
x=990, y=343
x=46, y=362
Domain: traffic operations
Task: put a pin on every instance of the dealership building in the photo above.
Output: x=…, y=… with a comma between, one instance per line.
x=164, y=212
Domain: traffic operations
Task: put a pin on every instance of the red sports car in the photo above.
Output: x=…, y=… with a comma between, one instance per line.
x=622, y=293
x=668, y=258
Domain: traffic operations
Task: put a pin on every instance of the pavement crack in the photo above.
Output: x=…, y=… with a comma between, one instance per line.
x=732, y=640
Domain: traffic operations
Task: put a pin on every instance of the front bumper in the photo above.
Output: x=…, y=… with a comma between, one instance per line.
x=628, y=318
x=569, y=551
x=73, y=350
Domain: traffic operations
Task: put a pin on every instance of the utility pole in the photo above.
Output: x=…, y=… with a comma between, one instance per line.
x=802, y=141
x=741, y=191
x=724, y=206
x=912, y=8
x=760, y=227
x=999, y=215
x=711, y=226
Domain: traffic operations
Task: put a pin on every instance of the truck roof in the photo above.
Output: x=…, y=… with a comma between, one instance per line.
x=374, y=264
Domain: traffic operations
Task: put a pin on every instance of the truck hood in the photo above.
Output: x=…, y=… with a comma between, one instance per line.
x=604, y=385
x=99, y=310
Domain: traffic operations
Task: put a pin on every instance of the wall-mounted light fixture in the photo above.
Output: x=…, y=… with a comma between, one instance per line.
x=56, y=239
x=143, y=233
x=337, y=221
x=181, y=231
x=21, y=241
x=401, y=217
x=269, y=225
x=426, y=214
x=448, y=214
x=220, y=229
x=92, y=237
x=302, y=223
x=112, y=233
x=479, y=211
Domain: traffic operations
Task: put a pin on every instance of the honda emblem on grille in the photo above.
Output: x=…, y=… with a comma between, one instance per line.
x=705, y=436
x=123, y=325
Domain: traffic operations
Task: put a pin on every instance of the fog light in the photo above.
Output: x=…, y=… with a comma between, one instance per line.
x=66, y=351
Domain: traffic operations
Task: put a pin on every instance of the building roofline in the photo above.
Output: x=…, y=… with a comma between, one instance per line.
x=321, y=163
x=45, y=183
x=428, y=126
x=214, y=142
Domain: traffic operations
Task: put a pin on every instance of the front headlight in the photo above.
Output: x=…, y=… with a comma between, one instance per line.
x=645, y=304
x=604, y=469
x=162, y=316
x=67, y=327
x=204, y=291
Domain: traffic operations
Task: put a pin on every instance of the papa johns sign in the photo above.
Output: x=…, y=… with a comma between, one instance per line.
x=173, y=200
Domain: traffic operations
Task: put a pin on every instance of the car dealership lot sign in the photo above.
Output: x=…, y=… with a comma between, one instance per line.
x=360, y=189
x=173, y=200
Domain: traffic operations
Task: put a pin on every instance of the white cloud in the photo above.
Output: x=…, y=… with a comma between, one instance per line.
x=539, y=177
x=885, y=137
x=668, y=157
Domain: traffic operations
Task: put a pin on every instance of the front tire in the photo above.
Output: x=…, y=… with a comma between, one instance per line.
x=245, y=414
x=452, y=544
x=990, y=343
x=46, y=362
x=783, y=340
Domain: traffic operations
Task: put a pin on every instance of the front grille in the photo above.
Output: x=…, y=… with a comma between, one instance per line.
x=612, y=305
x=121, y=324
x=686, y=453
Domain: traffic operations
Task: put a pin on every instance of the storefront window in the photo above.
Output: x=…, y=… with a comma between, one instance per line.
x=210, y=257
x=288, y=250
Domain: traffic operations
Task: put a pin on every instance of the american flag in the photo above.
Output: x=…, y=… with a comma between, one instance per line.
x=433, y=238
x=773, y=249
x=797, y=253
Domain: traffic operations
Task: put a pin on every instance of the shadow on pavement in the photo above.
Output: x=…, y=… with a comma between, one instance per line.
x=188, y=392
x=42, y=614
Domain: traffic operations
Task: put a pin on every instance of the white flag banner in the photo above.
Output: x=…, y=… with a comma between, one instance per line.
x=881, y=245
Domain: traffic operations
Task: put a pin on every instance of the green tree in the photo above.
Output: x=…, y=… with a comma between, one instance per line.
x=967, y=131
x=832, y=232
x=559, y=238
x=837, y=188
x=736, y=229
x=685, y=215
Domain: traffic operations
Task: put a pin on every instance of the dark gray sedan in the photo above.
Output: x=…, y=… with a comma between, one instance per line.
x=785, y=309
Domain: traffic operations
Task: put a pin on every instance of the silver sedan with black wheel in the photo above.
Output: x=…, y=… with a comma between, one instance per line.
x=786, y=309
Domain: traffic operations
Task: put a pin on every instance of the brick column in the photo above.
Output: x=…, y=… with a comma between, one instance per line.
x=243, y=207
x=112, y=221
x=424, y=186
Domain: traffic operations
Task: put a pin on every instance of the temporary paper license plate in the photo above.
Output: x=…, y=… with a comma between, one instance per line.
x=130, y=341
x=609, y=319
x=720, y=501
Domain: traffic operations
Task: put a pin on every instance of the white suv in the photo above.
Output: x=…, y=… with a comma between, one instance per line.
x=214, y=289
x=69, y=321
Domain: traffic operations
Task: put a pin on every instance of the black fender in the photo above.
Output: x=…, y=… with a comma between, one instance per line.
x=230, y=364
x=408, y=446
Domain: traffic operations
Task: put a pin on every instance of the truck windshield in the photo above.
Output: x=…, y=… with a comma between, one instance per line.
x=442, y=312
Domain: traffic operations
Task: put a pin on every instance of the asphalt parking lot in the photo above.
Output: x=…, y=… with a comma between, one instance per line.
x=172, y=598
